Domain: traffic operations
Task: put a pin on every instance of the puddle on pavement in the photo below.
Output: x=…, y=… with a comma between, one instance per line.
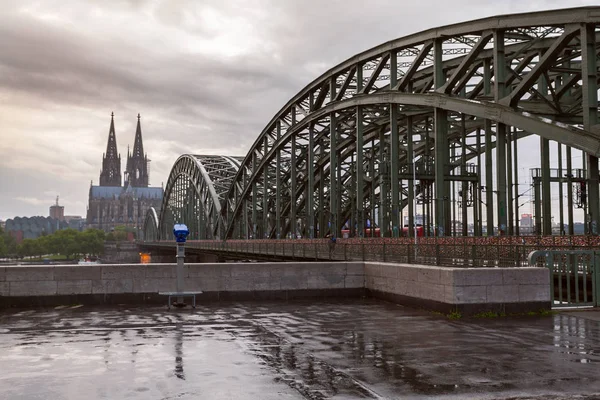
x=338, y=349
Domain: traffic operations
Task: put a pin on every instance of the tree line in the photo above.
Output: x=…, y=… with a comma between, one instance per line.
x=69, y=243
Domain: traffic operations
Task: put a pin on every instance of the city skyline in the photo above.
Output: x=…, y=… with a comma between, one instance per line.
x=205, y=78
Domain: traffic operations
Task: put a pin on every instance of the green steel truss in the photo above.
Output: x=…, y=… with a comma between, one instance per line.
x=151, y=232
x=195, y=190
x=446, y=106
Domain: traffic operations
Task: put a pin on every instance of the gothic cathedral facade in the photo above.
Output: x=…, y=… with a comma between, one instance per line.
x=112, y=204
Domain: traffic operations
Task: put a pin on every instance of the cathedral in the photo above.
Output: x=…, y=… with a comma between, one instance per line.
x=112, y=203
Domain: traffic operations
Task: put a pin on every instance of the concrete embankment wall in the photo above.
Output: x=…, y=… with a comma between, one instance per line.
x=438, y=288
x=469, y=290
x=140, y=283
x=121, y=253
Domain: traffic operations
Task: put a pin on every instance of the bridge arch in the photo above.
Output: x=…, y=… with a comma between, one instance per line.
x=425, y=103
x=193, y=195
x=151, y=232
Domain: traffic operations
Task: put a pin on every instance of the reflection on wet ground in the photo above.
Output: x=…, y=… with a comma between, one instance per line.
x=350, y=349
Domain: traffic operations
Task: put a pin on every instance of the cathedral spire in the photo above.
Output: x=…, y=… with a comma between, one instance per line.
x=110, y=175
x=111, y=146
x=138, y=146
x=137, y=164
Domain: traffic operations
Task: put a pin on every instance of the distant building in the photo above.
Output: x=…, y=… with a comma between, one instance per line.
x=2, y=224
x=526, y=221
x=527, y=224
x=110, y=204
x=418, y=220
x=76, y=222
x=57, y=212
x=33, y=227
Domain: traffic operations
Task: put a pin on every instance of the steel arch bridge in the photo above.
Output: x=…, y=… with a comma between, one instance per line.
x=193, y=194
x=434, y=117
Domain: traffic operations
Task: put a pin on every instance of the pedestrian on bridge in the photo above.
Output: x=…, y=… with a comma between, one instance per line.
x=331, y=245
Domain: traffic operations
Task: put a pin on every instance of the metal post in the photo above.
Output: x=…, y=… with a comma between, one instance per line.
x=561, y=219
x=265, y=208
x=537, y=206
x=352, y=196
x=441, y=150
x=360, y=219
x=501, y=175
x=278, y=184
x=340, y=190
x=441, y=144
x=372, y=201
x=477, y=201
x=244, y=222
x=384, y=225
x=516, y=180
x=322, y=221
x=489, y=185
x=412, y=188
x=254, y=198
x=310, y=198
x=593, y=193
x=465, y=185
x=395, y=180
x=545, y=165
x=201, y=222
x=180, y=270
x=397, y=222
x=333, y=193
x=590, y=115
x=500, y=72
x=293, y=221
x=570, y=192
x=415, y=200
x=509, y=181
x=586, y=220
x=451, y=194
x=546, y=200
x=425, y=187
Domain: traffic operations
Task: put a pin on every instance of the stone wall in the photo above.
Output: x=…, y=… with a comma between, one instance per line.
x=121, y=253
x=56, y=285
x=469, y=290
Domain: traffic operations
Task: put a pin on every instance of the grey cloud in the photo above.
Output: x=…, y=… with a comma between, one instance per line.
x=134, y=59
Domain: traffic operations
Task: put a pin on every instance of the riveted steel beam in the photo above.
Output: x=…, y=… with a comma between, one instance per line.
x=402, y=77
x=549, y=56
x=589, y=75
x=460, y=71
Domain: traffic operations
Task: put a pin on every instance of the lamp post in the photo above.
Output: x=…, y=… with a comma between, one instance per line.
x=181, y=232
x=415, y=206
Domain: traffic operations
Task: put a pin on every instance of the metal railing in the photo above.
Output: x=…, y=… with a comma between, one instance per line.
x=451, y=251
x=574, y=276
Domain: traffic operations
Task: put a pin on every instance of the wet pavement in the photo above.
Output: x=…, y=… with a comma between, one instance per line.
x=345, y=349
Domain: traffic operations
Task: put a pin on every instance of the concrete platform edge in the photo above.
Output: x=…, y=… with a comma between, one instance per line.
x=465, y=309
x=156, y=299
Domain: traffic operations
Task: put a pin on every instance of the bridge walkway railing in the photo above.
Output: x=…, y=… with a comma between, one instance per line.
x=455, y=252
x=574, y=276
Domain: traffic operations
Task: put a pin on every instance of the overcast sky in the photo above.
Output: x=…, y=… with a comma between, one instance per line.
x=206, y=76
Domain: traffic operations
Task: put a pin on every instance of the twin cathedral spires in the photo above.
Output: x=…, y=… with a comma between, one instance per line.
x=136, y=172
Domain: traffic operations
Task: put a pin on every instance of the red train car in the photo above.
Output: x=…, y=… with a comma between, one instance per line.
x=419, y=229
x=367, y=233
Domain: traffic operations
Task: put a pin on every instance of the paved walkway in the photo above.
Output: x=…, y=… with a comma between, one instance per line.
x=350, y=349
x=590, y=313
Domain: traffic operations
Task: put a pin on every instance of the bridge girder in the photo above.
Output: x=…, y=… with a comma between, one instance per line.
x=400, y=122
x=151, y=225
x=525, y=73
x=193, y=195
